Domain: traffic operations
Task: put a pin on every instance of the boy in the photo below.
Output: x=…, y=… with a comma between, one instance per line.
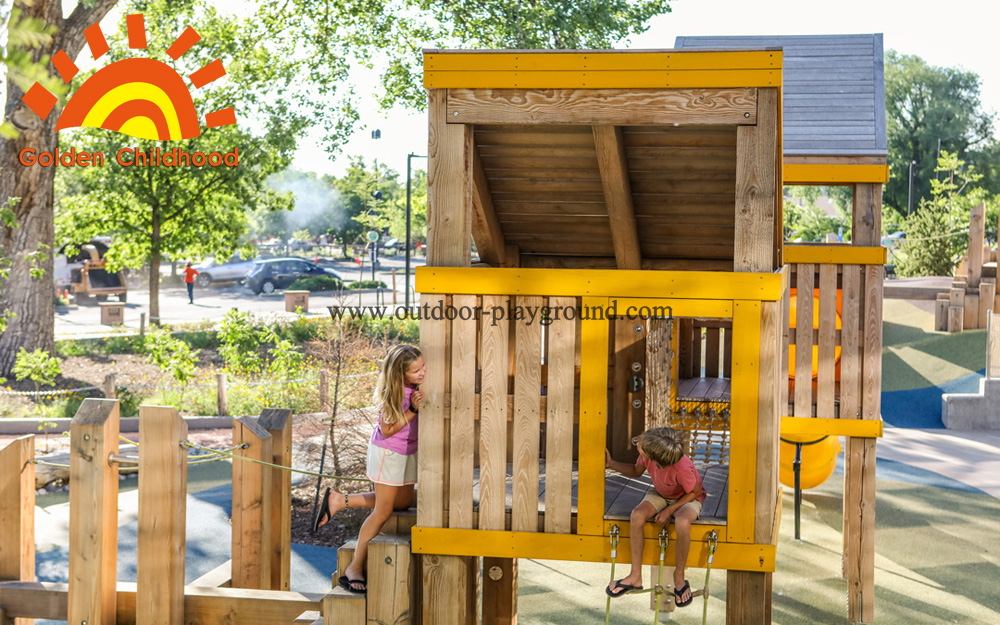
x=676, y=492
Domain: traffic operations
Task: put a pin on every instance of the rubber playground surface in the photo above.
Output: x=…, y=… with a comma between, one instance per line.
x=937, y=537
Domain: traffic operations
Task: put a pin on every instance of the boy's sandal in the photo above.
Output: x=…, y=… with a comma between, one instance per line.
x=621, y=589
x=679, y=592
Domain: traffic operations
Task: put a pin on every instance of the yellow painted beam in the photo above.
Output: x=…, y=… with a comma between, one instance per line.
x=743, y=422
x=644, y=308
x=598, y=60
x=834, y=254
x=806, y=426
x=707, y=285
x=593, y=420
x=581, y=548
x=622, y=79
x=834, y=174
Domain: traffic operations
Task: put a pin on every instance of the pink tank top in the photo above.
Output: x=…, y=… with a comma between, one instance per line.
x=404, y=441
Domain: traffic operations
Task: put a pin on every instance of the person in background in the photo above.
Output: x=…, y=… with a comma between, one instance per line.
x=189, y=274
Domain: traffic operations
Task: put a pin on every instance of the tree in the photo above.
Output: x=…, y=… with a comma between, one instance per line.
x=925, y=104
x=26, y=291
x=182, y=210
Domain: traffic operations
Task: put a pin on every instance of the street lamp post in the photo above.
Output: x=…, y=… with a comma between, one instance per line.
x=909, y=194
x=406, y=270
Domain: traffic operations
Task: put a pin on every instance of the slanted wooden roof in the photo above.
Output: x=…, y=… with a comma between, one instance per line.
x=834, y=90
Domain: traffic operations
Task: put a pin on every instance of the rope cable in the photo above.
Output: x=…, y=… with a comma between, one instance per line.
x=277, y=466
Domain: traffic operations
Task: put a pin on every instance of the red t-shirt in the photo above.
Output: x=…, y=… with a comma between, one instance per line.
x=675, y=481
x=189, y=274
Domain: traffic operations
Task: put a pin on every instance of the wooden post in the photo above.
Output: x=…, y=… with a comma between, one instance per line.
x=993, y=347
x=391, y=577
x=17, y=515
x=748, y=597
x=162, y=516
x=344, y=608
x=971, y=314
x=142, y=324
x=987, y=291
x=449, y=589
x=278, y=423
x=109, y=386
x=956, y=319
x=977, y=232
x=499, y=591
x=221, y=397
x=324, y=391
x=941, y=312
x=93, y=514
x=252, y=503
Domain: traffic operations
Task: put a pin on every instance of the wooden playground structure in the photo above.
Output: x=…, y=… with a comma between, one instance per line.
x=627, y=208
x=966, y=305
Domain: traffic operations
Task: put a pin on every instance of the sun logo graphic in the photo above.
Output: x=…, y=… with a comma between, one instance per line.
x=139, y=97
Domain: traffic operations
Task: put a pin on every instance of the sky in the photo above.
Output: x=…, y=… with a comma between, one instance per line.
x=959, y=33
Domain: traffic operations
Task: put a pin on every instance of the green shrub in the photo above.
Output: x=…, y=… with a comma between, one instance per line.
x=36, y=366
x=171, y=355
x=367, y=284
x=301, y=330
x=240, y=340
x=317, y=283
x=389, y=328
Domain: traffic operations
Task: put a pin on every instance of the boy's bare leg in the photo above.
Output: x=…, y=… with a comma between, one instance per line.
x=682, y=525
x=640, y=515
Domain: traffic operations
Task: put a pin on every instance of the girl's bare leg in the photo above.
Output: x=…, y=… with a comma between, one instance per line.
x=385, y=500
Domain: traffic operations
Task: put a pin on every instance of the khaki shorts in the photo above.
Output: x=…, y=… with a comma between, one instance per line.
x=391, y=468
x=659, y=502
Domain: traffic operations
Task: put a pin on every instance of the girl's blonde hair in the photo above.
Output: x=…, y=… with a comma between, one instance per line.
x=392, y=379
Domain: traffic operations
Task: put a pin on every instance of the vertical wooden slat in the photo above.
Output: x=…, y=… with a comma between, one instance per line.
x=527, y=417
x=463, y=405
x=499, y=591
x=744, y=428
x=786, y=305
x=658, y=375
x=278, y=423
x=162, y=516
x=866, y=230
x=493, y=420
x=859, y=528
x=593, y=420
x=987, y=291
x=625, y=420
x=993, y=347
x=727, y=352
x=768, y=422
x=559, y=418
x=827, y=341
x=685, y=333
x=756, y=187
x=745, y=593
x=93, y=513
x=450, y=587
x=251, y=506
x=977, y=232
x=850, y=353
x=804, y=340
x=431, y=461
x=712, y=352
x=872, y=360
x=17, y=513
x=697, y=345
x=449, y=186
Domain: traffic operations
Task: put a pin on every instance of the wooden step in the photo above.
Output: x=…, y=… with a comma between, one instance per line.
x=393, y=582
x=309, y=616
x=344, y=556
x=341, y=607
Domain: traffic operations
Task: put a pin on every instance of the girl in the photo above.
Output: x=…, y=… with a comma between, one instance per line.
x=392, y=460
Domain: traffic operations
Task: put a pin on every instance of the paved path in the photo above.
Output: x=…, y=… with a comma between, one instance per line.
x=968, y=456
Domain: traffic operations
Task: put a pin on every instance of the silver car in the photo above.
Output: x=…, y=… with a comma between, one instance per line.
x=235, y=270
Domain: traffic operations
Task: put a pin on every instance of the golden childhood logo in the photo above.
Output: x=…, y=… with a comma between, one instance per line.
x=140, y=97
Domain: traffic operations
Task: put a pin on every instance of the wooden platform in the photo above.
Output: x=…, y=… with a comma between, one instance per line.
x=704, y=389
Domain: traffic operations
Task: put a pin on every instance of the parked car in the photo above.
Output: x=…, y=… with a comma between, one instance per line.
x=278, y=273
x=233, y=270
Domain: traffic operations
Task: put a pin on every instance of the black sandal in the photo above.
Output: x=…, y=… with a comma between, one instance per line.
x=324, y=511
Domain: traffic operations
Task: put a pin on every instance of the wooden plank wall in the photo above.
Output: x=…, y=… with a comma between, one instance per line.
x=17, y=514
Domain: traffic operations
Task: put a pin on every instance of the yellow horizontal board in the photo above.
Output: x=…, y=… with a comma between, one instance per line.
x=834, y=254
x=644, y=308
x=708, y=285
x=607, y=60
x=496, y=544
x=810, y=426
x=839, y=174
x=603, y=79
x=699, y=530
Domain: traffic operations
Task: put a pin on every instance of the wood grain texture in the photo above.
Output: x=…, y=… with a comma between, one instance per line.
x=871, y=371
x=712, y=352
x=803, y=340
x=626, y=421
x=757, y=162
x=93, y=518
x=768, y=422
x=493, y=351
x=527, y=416
x=859, y=528
x=987, y=293
x=850, y=350
x=499, y=595
x=391, y=575
x=659, y=377
x=971, y=321
x=748, y=598
x=956, y=319
x=977, y=231
x=431, y=461
x=278, y=423
x=449, y=186
x=825, y=381
x=627, y=107
x=486, y=230
x=252, y=505
x=344, y=607
x=162, y=516
x=559, y=417
x=463, y=407
x=449, y=589
x=17, y=513
x=617, y=195
x=867, y=215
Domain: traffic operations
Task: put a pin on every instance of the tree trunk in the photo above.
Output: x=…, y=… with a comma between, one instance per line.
x=154, y=269
x=29, y=298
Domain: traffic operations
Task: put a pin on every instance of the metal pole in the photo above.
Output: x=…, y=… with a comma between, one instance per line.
x=909, y=196
x=797, y=469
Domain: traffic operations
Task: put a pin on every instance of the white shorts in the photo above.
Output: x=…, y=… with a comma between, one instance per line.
x=391, y=468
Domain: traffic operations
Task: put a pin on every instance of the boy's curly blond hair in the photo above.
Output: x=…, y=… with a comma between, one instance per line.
x=662, y=445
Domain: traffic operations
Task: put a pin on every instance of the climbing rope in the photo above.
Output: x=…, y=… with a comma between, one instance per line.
x=49, y=464
x=713, y=544
x=658, y=590
x=614, y=556
x=275, y=466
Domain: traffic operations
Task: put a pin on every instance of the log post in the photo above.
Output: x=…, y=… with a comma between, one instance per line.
x=251, y=506
x=162, y=516
x=17, y=515
x=93, y=514
x=221, y=397
x=278, y=423
x=142, y=324
x=109, y=386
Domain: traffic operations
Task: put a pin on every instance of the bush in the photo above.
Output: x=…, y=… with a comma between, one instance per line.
x=171, y=355
x=301, y=330
x=317, y=283
x=367, y=284
x=240, y=341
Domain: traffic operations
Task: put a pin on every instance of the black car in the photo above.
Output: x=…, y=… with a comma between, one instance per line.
x=278, y=273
